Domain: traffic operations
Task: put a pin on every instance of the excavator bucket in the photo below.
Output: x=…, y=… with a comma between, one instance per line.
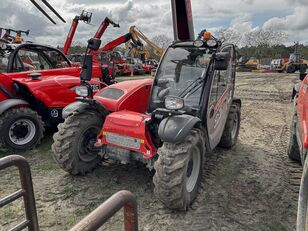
x=183, y=26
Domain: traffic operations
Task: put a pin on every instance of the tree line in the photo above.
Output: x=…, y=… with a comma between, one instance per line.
x=261, y=43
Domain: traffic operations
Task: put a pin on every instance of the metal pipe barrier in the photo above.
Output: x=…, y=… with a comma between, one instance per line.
x=91, y=222
x=26, y=192
x=106, y=210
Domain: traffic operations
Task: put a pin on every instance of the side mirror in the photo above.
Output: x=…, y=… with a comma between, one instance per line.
x=94, y=44
x=86, y=72
x=222, y=60
x=302, y=72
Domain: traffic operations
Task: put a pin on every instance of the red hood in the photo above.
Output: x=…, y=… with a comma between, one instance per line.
x=55, y=92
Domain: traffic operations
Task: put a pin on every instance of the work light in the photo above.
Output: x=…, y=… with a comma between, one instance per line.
x=82, y=91
x=174, y=103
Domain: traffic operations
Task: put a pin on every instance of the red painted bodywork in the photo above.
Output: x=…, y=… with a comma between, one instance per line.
x=302, y=112
x=129, y=117
x=54, y=92
x=71, y=71
x=130, y=124
x=7, y=83
x=133, y=99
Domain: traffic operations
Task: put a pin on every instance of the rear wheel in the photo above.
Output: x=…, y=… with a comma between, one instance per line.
x=302, y=212
x=293, y=148
x=179, y=170
x=232, y=127
x=291, y=68
x=20, y=129
x=73, y=147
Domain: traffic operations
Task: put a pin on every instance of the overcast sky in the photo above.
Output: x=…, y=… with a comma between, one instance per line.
x=154, y=17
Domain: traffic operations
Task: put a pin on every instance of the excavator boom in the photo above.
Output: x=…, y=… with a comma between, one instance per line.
x=140, y=36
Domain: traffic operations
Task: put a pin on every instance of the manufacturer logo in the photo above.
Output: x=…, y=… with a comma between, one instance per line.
x=54, y=113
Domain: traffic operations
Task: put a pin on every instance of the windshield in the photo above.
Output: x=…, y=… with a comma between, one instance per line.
x=181, y=73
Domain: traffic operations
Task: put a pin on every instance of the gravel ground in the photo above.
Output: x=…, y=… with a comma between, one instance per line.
x=253, y=186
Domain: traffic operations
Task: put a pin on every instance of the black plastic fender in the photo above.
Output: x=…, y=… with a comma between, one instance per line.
x=82, y=106
x=176, y=128
x=10, y=103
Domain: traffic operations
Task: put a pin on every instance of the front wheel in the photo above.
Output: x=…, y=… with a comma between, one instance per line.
x=20, y=129
x=302, y=212
x=179, y=170
x=73, y=147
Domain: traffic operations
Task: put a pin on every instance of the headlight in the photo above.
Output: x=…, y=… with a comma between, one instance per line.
x=198, y=43
x=211, y=43
x=82, y=91
x=174, y=103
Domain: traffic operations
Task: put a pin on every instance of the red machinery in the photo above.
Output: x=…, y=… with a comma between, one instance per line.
x=86, y=17
x=168, y=123
x=36, y=83
x=121, y=65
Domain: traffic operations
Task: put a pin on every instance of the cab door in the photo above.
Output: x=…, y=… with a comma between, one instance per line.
x=220, y=99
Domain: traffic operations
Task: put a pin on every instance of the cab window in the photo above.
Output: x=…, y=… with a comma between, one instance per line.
x=38, y=58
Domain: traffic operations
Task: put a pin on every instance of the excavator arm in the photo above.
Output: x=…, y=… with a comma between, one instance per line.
x=140, y=36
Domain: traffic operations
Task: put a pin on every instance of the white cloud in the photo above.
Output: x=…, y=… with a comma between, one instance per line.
x=154, y=17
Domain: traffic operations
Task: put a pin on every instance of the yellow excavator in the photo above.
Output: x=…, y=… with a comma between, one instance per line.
x=142, y=51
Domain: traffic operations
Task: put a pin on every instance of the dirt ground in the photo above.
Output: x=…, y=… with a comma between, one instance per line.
x=253, y=186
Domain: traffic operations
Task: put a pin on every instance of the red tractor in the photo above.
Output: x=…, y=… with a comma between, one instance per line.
x=36, y=83
x=168, y=123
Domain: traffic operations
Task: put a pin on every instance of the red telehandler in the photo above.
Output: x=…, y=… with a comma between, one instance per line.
x=36, y=83
x=168, y=123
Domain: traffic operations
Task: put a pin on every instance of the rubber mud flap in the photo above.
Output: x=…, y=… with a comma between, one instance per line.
x=176, y=128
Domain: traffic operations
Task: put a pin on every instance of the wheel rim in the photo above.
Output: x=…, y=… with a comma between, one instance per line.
x=193, y=169
x=22, y=131
x=235, y=125
x=87, y=152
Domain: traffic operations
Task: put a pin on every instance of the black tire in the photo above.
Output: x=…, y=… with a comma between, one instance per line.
x=73, y=143
x=232, y=127
x=172, y=185
x=291, y=68
x=21, y=129
x=302, y=211
x=293, y=148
